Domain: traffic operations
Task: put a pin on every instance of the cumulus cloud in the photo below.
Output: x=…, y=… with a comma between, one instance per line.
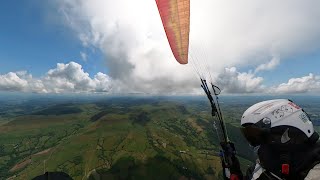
x=102, y=82
x=310, y=83
x=68, y=77
x=233, y=81
x=71, y=78
x=65, y=78
x=274, y=62
x=13, y=82
x=230, y=33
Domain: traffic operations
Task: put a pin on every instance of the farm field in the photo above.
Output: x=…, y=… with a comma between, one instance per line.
x=121, y=137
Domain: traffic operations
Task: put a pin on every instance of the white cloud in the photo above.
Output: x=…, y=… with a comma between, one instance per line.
x=231, y=33
x=83, y=56
x=232, y=81
x=274, y=62
x=68, y=77
x=12, y=82
x=65, y=78
x=71, y=78
x=102, y=82
x=306, y=84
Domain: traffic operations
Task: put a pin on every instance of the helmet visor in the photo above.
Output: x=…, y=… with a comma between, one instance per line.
x=254, y=135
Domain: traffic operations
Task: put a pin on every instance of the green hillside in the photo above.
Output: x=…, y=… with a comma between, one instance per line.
x=117, y=139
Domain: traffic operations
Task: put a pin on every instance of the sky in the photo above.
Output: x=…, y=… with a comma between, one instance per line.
x=106, y=46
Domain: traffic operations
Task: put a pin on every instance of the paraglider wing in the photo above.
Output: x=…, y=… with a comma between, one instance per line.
x=175, y=16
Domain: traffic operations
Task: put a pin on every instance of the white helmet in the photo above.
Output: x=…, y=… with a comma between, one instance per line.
x=277, y=121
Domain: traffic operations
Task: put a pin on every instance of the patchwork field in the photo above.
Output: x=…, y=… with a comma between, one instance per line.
x=119, y=138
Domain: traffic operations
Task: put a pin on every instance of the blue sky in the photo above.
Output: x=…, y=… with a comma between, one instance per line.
x=293, y=67
x=36, y=35
x=33, y=39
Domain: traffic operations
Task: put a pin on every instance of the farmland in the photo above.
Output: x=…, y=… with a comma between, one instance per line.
x=119, y=137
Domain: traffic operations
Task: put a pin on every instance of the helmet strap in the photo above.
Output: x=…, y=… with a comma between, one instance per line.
x=285, y=161
x=313, y=138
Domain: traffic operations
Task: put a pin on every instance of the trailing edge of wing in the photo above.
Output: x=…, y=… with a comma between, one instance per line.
x=175, y=16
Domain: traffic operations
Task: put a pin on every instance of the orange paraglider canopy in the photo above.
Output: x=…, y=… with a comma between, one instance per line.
x=175, y=16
